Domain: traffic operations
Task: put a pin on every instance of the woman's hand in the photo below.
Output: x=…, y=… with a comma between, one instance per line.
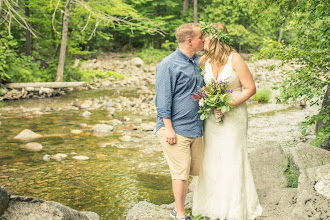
x=218, y=113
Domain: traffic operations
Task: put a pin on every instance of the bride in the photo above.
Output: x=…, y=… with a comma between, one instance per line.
x=225, y=188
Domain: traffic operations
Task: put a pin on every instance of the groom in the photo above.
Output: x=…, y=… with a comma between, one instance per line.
x=179, y=128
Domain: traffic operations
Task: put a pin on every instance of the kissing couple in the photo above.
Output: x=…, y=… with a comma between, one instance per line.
x=215, y=151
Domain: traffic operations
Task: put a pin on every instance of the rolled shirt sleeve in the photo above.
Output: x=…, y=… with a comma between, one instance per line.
x=165, y=86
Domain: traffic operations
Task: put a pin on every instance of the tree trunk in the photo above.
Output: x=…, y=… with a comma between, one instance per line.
x=27, y=35
x=65, y=25
x=195, y=11
x=320, y=124
x=185, y=7
x=280, y=35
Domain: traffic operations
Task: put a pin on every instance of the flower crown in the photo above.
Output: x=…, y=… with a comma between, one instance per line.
x=213, y=32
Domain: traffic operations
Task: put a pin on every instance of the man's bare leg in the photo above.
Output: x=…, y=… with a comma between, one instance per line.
x=180, y=188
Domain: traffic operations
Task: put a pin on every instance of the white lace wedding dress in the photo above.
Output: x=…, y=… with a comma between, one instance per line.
x=225, y=188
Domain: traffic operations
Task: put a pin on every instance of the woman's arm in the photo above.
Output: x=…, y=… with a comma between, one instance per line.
x=246, y=79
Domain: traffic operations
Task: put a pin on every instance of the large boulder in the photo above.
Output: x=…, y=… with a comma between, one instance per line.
x=307, y=156
x=27, y=134
x=313, y=200
x=147, y=211
x=4, y=200
x=21, y=208
x=268, y=175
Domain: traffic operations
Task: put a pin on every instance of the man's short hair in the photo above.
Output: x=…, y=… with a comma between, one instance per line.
x=185, y=31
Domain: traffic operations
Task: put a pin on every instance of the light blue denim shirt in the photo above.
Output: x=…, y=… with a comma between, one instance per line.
x=177, y=78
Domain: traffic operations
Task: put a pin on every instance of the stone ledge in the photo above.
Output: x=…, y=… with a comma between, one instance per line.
x=22, y=207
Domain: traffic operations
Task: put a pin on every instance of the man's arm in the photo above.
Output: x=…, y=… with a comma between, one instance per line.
x=165, y=84
x=170, y=133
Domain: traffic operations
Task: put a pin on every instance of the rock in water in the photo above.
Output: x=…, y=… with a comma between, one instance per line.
x=46, y=157
x=102, y=128
x=125, y=138
x=80, y=157
x=33, y=147
x=59, y=157
x=21, y=207
x=27, y=135
x=76, y=131
x=86, y=114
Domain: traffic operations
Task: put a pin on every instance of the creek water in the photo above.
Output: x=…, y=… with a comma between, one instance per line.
x=109, y=183
x=115, y=177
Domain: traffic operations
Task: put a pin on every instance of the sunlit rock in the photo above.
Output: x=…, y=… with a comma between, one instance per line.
x=125, y=138
x=59, y=156
x=86, y=114
x=76, y=131
x=26, y=208
x=33, y=147
x=27, y=134
x=146, y=127
x=131, y=127
x=80, y=157
x=102, y=128
x=46, y=157
x=136, y=61
x=85, y=104
x=115, y=122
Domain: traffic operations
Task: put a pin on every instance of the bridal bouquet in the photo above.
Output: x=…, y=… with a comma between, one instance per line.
x=211, y=96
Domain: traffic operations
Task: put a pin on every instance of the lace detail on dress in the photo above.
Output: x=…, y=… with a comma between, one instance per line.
x=225, y=189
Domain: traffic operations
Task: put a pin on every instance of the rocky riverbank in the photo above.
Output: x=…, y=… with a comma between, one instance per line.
x=274, y=136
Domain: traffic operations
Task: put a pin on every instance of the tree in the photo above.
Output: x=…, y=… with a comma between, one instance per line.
x=195, y=11
x=61, y=59
x=310, y=49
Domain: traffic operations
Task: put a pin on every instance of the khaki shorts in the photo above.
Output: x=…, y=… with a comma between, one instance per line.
x=183, y=157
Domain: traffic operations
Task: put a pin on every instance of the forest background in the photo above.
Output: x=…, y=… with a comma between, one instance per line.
x=40, y=39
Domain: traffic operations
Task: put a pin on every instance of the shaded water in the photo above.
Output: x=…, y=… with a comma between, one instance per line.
x=109, y=183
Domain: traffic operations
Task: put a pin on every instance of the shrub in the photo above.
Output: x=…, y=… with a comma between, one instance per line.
x=89, y=75
x=151, y=55
x=262, y=95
